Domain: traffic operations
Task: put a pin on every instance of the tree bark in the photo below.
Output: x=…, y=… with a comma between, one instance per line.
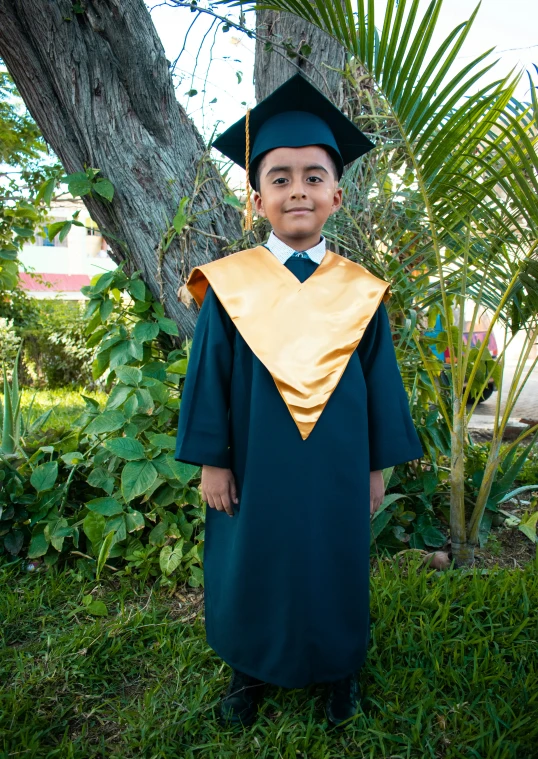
x=272, y=67
x=98, y=85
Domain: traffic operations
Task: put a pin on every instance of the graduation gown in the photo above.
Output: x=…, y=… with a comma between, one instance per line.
x=287, y=578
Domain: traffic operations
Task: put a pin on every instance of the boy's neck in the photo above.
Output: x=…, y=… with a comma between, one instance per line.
x=299, y=243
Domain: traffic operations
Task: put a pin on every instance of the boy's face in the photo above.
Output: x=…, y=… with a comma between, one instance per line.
x=298, y=191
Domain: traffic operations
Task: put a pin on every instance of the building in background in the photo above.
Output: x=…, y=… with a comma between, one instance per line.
x=57, y=269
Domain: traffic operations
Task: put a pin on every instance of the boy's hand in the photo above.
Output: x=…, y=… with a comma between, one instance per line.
x=218, y=488
x=377, y=491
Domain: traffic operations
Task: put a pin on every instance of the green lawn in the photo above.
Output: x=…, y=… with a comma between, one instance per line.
x=452, y=672
x=67, y=404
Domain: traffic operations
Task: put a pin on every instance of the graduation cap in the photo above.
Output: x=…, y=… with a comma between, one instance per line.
x=294, y=115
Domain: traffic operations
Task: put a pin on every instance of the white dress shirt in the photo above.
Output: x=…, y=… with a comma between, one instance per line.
x=283, y=251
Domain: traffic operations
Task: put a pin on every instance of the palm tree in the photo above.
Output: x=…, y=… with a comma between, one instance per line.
x=470, y=213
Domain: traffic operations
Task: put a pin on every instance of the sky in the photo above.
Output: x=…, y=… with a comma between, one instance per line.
x=224, y=68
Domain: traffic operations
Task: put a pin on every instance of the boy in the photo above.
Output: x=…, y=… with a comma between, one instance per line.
x=293, y=404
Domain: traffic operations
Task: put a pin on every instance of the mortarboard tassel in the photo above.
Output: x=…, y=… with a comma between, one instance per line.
x=248, y=217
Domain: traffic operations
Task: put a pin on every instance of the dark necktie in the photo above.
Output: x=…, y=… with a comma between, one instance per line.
x=300, y=254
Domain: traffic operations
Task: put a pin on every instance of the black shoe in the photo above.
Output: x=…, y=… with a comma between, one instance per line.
x=343, y=700
x=240, y=704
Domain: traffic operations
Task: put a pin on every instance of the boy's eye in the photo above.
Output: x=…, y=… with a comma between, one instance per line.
x=280, y=180
x=314, y=179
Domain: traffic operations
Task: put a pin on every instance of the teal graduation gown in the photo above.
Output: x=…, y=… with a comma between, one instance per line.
x=286, y=578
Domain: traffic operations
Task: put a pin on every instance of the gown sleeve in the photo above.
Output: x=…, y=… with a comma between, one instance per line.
x=203, y=429
x=392, y=436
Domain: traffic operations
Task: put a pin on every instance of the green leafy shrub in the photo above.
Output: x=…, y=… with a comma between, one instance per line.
x=111, y=491
x=55, y=351
x=9, y=341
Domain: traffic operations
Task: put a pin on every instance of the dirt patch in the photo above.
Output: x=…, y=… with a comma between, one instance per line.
x=508, y=548
x=187, y=604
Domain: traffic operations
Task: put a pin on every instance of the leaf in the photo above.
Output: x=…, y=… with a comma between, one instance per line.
x=44, y=476
x=161, y=440
x=432, y=536
x=93, y=526
x=99, y=478
x=145, y=331
x=109, y=421
x=136, y=478
x=197, y=576
x=158, y=536
x=379, y=524
x=105, y=309
x=78, y=183
x=126, y=448
x=46, y=190
x=170, y=558
x=130, y=407
x=387, y=501
x=118, y=527
x=157, y=390
x=233, y=200
x=102, y=281
x=161, y=465
x=13, y=542
x=55, y=532
x=97, y=609
x=191, y=93
x=178, y=367
x=121, y=353
x=100, y=364
x=103, y=556
x=145, y=401
x=134, y=520
x=181, y=218
x=38, y=546
x=168, y=326
x=137, y=289
x=118, y=396
x=528, y=526
x=105, y=188
x=26, y=231
x=183, y=472
x=64, y=231
x=73, y=458
x=156, y=369
x=130, y=375
x=108, y=507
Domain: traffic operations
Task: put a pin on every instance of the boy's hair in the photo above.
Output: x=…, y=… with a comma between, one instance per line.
x=262, y=158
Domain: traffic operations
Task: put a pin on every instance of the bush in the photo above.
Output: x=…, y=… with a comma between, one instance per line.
x=54, y=350
x=55, y=353
x=111, y=491
x=9, y=342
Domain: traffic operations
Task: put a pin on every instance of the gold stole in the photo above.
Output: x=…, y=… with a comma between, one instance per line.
x=304, y=333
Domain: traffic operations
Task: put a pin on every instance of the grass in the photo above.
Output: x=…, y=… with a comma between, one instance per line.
x=452, y=672
x=68, y=404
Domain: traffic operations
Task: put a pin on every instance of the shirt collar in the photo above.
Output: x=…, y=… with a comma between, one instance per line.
x=283, y=251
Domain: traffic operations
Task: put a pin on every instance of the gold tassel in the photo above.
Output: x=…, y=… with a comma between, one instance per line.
x=248, y=217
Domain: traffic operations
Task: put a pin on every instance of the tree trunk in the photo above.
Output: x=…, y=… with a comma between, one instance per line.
x=462, y=549
x=282, y=33
x=98, y=85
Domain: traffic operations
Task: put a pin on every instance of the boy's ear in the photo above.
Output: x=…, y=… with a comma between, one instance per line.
x=258, y=204
x=337, y=200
